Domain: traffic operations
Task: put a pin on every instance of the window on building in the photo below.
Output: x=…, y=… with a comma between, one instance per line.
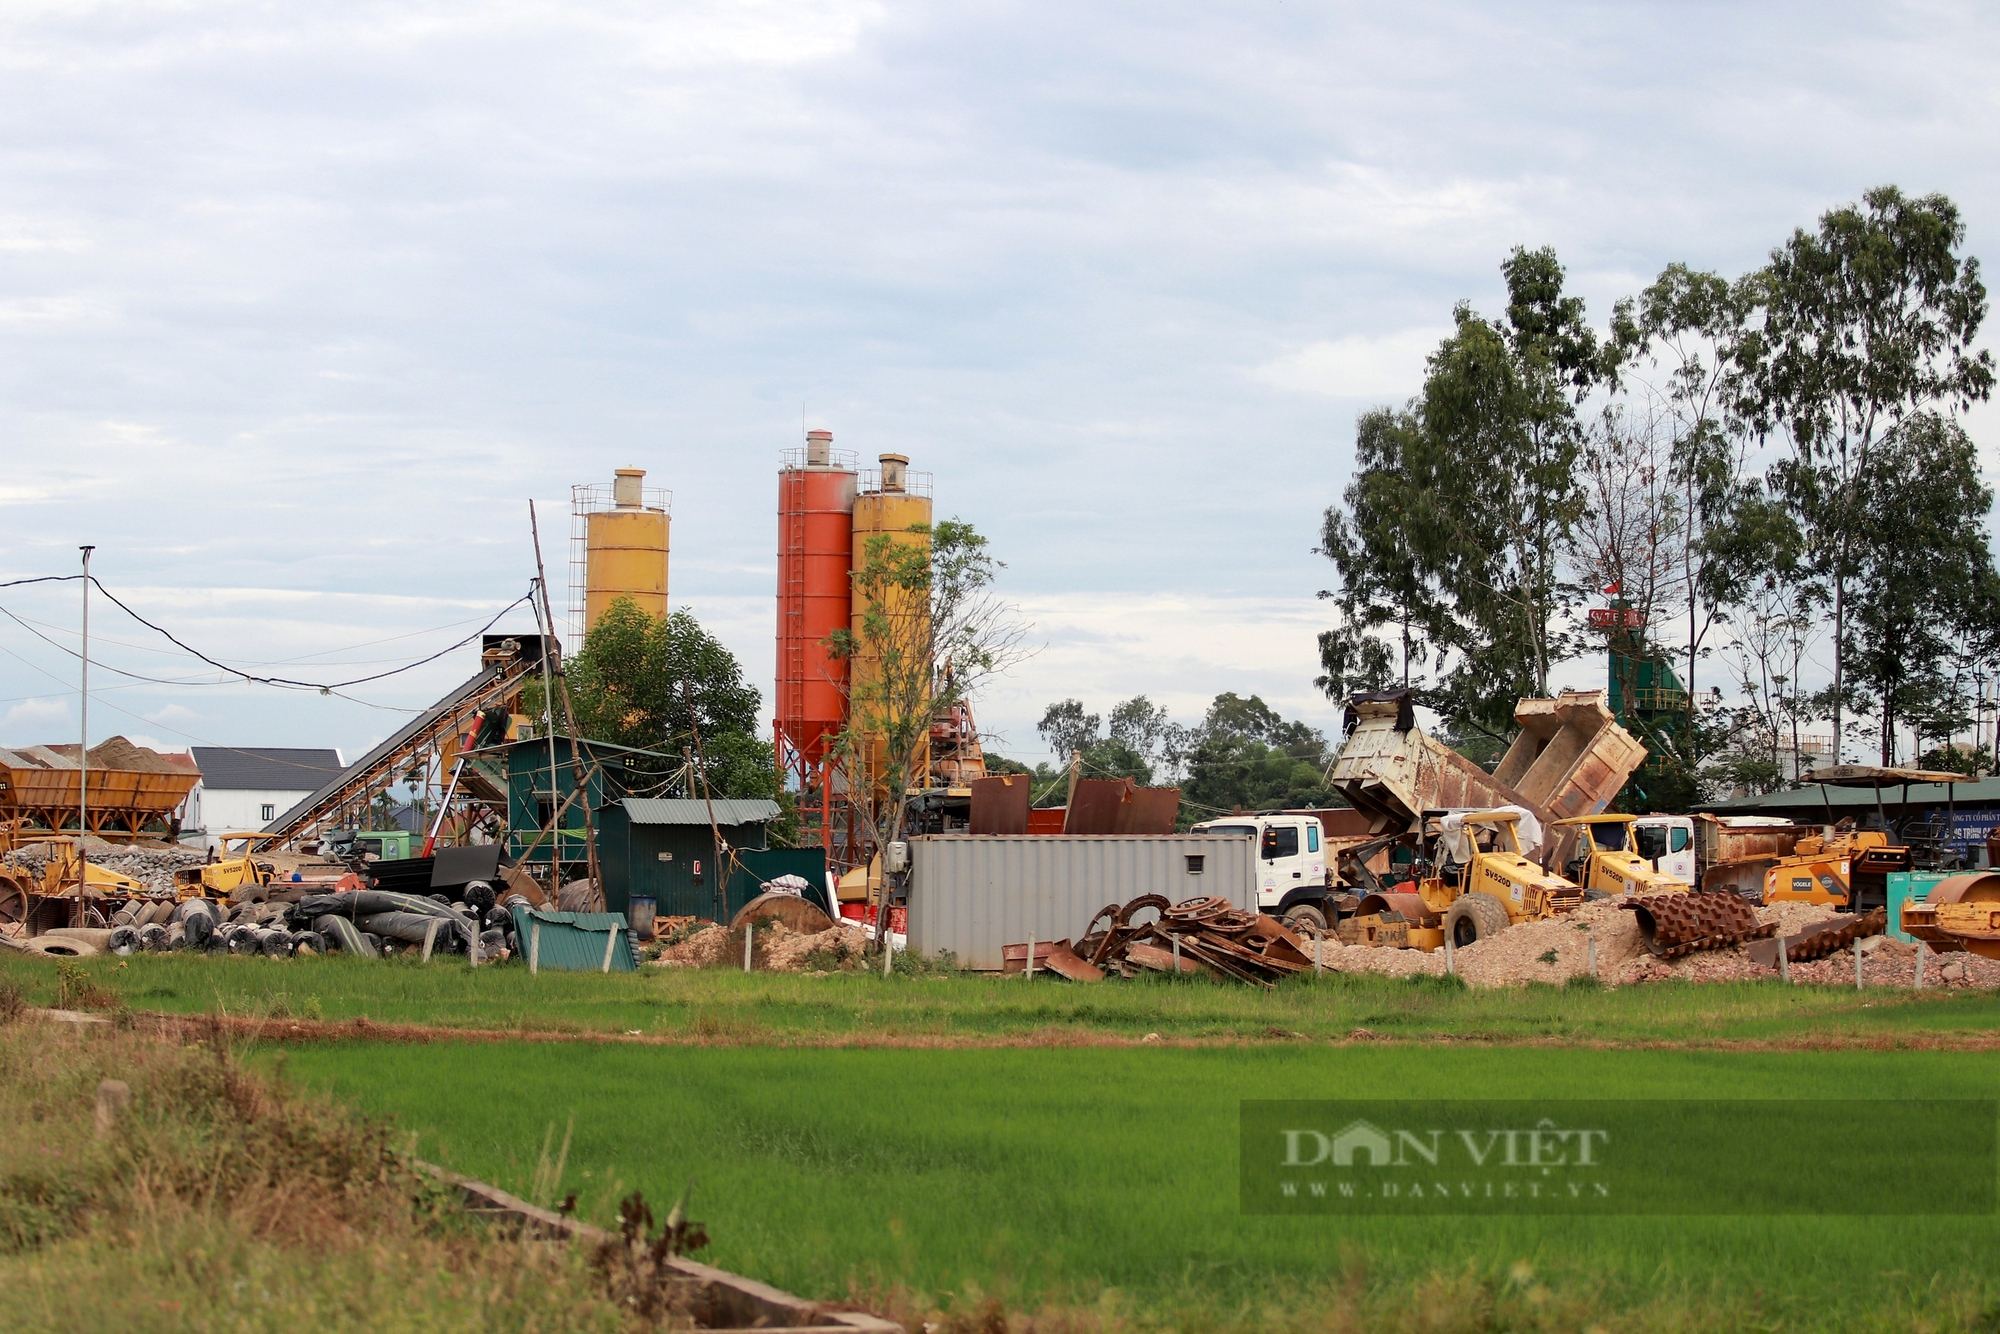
x=270, y=812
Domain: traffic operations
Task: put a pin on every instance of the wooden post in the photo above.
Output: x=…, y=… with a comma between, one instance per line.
x=1857, y=962
x=1177, y=964
x=430, y=936
x=749, y=933
x=1450, y=956
x=1319, y=959
x=610, y=944
x=1030, y=973
x=1918, y=982
x=534, y=946
x=1784, y=962
x=1590, y=952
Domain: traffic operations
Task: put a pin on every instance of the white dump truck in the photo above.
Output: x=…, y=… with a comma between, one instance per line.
x=1292, y=883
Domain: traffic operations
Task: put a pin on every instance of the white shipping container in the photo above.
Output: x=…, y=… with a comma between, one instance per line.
x=973, y=893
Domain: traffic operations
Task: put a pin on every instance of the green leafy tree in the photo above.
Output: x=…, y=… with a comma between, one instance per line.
x=652, y=683
x=1926, y=596
x=1457, y=522
x=1245, y=756
x=930, y=633
x=1867, y=321
x=1135, y=747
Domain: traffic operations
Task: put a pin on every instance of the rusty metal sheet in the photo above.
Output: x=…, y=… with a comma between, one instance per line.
x=1121, y=806
x=1159, y=959
x=1000, y=804
x=1014, y=958
x=1062, y=960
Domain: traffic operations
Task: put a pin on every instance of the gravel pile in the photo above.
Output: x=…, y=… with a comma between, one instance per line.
x=1341, y=958
x=151, y=864
x=1556, y=950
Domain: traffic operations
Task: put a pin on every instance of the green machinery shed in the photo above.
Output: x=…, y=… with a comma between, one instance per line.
x=665, y=849
x=534, y=791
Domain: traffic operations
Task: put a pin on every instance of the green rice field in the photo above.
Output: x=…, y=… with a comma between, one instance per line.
x=725, y=1006
x=1085, y=1176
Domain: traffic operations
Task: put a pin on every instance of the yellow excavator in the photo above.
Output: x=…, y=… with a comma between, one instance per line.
x=233, y=867
x=1607, y=858
x=1473, y=882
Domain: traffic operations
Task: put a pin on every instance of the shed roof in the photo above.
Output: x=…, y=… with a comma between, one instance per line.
x=1972, y=792
x=266, y=768
x=728, y=810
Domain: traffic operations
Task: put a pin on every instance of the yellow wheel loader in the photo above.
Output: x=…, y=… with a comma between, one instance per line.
x=1473, y=882
x=1607, y=858
x=233, y=868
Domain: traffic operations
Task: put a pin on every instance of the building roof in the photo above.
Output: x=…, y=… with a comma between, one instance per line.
x=1973, y=792
x=728, y=811
x=266, y=768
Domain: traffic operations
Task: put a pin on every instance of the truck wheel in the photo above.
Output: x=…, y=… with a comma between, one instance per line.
x=1474, y=917
x=1305, y=917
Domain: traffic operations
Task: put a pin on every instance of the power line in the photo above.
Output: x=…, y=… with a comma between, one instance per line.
x=325, y=688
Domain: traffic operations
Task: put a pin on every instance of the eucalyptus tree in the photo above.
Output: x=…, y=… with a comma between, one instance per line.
x=1865, y=322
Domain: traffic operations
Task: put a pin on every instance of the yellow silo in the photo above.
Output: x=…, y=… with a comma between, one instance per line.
x=625, y=551
x=898, y=507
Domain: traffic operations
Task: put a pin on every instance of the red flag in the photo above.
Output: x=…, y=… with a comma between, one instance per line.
x=1616, y=586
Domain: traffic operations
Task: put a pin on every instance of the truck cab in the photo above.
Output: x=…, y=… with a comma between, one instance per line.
x=1668, y=843
x=1291, y=864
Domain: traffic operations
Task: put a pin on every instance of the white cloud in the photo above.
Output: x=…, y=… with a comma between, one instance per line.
x=1386, y=368
x=172, y=713
x=35, y=722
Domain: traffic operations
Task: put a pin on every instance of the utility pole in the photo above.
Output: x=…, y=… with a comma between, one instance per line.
x=83, y=738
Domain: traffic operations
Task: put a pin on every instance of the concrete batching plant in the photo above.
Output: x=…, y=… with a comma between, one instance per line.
x=829, y=515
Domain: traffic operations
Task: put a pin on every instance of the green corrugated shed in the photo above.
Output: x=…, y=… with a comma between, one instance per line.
x=574, y=942
x=650, y=847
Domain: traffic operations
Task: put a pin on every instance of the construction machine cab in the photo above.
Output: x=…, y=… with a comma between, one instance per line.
x=1609, y=858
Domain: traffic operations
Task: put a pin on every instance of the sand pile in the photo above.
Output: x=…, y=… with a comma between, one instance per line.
x=777, y=948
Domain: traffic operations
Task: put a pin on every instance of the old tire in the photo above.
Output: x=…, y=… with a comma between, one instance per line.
x=1307, y=918
x=1474, y=917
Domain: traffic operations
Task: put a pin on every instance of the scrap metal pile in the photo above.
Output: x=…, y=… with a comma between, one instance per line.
x=1681, y=923
x=1200, y=935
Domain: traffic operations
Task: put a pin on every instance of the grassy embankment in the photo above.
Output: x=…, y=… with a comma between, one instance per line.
x=1095, y=1180
x=225, y=1202
x=721, y=1006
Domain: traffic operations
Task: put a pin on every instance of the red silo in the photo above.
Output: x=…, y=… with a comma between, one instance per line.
x=815, y=546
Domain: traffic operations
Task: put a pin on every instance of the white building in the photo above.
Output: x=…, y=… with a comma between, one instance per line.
x=245, y=788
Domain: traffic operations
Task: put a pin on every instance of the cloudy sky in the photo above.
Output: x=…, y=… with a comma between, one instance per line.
x=301, y=304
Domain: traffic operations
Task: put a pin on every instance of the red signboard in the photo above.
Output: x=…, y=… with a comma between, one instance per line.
x=1611, y=618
